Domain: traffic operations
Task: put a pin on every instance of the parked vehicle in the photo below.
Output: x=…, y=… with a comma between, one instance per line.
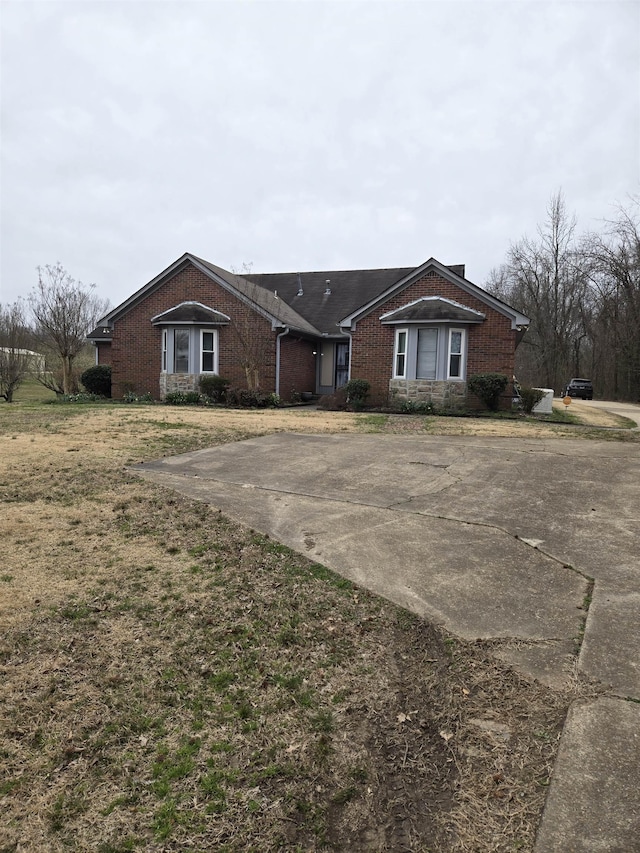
x=582, y=388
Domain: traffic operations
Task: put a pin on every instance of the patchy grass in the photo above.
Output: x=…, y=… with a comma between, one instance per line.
x=172, y=681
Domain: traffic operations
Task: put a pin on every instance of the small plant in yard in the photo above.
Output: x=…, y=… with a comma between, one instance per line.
x=214, y=388
x=133, y=397
x=488, y=387
x=530, y=398
x=357, y=391
x=416, y=407
x=182, y=398
x=97, y=380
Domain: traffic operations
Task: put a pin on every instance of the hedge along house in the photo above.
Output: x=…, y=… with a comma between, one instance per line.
x=412, y=333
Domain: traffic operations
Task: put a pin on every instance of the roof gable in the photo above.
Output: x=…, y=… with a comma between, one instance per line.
x=517, y=319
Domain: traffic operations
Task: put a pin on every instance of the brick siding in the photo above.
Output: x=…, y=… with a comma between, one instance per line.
x=136, y=343
x=297, y=366
x=491, y=344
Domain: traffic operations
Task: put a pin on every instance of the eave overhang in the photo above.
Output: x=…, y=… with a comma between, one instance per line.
x=431, y=310
x=191, y=314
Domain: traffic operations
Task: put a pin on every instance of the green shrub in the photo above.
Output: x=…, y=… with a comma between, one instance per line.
x=243, y=398
x=530, y=398
x=488, y=387
x=182, y=398
x=357, y=391
x=214, y=387
x=97, y=380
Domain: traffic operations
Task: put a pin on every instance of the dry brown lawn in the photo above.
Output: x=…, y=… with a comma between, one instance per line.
x=172, y=681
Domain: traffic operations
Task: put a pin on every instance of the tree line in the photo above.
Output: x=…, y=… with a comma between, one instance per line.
x=582, y=294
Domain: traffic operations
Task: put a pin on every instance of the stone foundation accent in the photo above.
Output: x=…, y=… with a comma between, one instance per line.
x=170, y=383
x=445, y=395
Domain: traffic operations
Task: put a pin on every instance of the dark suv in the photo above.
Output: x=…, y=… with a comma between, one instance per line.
x=582, y=388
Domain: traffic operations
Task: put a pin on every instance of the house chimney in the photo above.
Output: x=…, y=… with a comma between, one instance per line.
x=327, y=290
x=300, y=290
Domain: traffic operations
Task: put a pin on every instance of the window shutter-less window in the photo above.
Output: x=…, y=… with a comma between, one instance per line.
x=455, y=354
x=427, y=353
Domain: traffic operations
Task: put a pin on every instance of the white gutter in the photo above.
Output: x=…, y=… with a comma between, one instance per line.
x=281, y=335
x=348, y=334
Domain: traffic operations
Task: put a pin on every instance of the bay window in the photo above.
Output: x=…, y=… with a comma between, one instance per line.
x=430, y=352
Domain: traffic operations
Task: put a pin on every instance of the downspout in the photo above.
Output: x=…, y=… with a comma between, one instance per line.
x=281, y=335
x=348, y=334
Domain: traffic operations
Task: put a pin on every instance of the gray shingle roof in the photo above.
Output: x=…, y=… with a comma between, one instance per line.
x=349, y=290
x=273, y=304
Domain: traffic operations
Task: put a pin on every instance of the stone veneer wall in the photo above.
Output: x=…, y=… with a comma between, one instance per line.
x=446, y=395
x=170, y=383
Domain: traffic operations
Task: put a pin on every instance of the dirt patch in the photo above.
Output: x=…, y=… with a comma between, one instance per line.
x=170, y=680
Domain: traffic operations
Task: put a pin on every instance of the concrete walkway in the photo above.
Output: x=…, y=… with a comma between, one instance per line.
x=495, y=538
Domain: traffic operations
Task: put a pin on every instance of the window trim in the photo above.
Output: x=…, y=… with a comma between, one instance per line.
x=163, y=365
x=214, y=333
x=460, y=377
x=400, y=333
x=408, y=336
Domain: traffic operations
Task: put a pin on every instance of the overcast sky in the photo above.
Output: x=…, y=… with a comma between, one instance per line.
x=306, y=135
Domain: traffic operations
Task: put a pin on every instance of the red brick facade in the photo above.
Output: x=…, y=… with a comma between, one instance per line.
x=136, y=344
x=135, y=352
x=297, y=366
x=491, y=344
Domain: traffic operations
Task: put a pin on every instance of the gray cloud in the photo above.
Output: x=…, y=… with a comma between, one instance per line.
x=305, y=135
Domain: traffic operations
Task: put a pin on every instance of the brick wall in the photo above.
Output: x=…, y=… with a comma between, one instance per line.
x=136, y=344
x=104, y=353
x=297, y=366
x=491, y=343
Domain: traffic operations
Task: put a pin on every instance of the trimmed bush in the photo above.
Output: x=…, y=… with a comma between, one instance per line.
x=97, y=380
x=214, y=387
x=488, y=387
x=530, y=398
x=357, y=391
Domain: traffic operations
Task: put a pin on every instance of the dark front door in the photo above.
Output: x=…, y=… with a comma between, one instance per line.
x=342, y=364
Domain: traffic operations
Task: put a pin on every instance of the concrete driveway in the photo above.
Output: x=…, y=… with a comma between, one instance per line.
x=519, y=541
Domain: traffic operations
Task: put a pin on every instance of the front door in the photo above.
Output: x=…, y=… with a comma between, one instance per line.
x=342, y=364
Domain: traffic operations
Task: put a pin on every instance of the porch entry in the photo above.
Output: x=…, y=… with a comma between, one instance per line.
x=342, y=365
x=334, y=366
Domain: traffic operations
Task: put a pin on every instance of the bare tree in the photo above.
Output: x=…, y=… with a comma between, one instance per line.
x=546, y=279
x=255, y=346
x=64, y=312
x=16, y=359
x=615, y=258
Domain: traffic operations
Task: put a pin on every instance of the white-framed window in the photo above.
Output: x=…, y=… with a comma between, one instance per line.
x=437, y=352
x=400, y=354
x=189, y=349
x=456, y=354
x=427, y=360
x=208, y=351
x=181, y=350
